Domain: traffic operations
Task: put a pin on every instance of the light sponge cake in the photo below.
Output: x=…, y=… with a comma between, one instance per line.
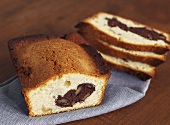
x=125, y=33
x=126, y=45
x=58, y=74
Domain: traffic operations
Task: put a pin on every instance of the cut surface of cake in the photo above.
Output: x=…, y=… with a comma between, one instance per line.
x=58, y=74
x=125, y=33
x=126, y=45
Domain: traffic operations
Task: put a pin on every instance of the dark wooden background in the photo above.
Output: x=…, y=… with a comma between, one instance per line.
x=25, y=17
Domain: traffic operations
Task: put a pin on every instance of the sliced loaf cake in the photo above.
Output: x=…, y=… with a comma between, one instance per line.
x=58, y=74
x=126, y=45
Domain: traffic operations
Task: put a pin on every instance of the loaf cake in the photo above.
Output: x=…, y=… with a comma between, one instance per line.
x=126, y=45
x=58, y=74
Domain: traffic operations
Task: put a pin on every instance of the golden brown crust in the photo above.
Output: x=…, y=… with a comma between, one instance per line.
x=86, y=29
x=25, y=93
x=76, y=38
x=120, y=54
x=38, y=58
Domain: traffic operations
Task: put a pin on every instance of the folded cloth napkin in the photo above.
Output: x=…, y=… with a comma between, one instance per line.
x=122, y=90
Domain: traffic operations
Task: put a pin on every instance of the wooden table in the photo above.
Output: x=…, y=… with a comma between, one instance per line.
x=25, y=17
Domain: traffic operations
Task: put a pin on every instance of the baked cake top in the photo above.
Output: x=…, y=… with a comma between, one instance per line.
x=38, y=58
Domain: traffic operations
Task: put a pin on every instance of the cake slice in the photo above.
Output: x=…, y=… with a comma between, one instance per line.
x=58, y=74
x=141, y=70
x=125, y=33
x=118, y=52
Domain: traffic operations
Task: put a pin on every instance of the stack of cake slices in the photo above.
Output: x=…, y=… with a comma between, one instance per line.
x=126, y=45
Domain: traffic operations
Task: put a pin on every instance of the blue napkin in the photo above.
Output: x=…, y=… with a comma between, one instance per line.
x=122, y=90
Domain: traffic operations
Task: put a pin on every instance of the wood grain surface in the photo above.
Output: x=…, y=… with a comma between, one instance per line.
x=25, y=17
